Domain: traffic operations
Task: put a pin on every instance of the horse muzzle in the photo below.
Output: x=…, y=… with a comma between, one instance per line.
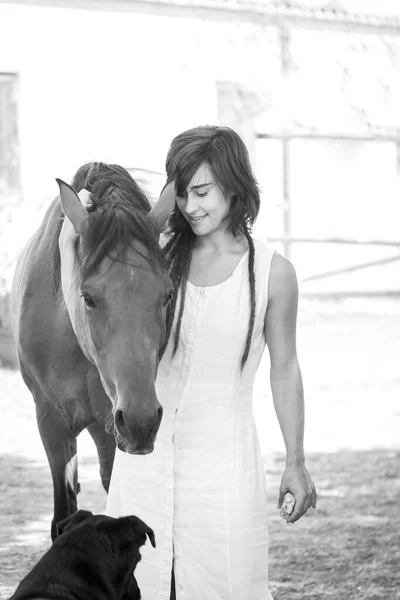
x=136, y=436
x=134, y=449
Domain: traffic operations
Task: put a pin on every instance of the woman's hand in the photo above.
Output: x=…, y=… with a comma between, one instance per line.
x=68, y=236
x=164, y=206
x=67, y=245
x=297, y=480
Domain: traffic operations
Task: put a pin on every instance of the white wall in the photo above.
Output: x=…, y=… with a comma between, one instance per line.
x=342, y=189
x=117, y=86
x=113, y=86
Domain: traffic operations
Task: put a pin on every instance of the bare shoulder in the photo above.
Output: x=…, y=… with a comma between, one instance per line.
x=282, y=278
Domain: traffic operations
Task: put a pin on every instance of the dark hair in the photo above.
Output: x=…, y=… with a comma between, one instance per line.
x=90, y=174
x=118, y=214
x=226, y=154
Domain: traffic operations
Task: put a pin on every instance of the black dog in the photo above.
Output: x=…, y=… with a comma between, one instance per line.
x=92, y=559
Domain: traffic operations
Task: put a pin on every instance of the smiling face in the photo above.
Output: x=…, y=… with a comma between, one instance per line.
x=204, y=205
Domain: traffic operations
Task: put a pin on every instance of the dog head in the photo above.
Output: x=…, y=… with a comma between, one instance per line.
x=117, y=540
x=130, y=527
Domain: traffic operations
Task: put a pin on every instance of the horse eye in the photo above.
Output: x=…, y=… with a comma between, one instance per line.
x=88, y=301
x=168, y=299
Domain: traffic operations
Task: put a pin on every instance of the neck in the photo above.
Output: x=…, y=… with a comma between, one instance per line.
x=218, y=242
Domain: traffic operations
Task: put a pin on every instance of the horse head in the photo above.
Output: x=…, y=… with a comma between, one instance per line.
x=116, y=287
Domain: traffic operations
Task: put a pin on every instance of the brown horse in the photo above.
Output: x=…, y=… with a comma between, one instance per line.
x=93, y=365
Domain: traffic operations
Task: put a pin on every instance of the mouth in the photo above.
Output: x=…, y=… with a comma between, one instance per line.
x=197, y=219
x=132, y=449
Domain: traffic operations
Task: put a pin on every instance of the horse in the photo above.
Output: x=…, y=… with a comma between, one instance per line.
x=93, y=364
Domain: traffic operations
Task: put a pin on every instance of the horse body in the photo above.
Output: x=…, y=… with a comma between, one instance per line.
x=95, y=369
x=51, y=360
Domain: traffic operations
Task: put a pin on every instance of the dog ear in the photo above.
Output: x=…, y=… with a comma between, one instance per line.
x=72, y=521
x=138, y=526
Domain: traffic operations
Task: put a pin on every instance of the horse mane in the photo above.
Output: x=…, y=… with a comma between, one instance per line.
x=118, y=215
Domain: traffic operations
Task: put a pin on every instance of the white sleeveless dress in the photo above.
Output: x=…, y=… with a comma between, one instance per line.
x=203, y=488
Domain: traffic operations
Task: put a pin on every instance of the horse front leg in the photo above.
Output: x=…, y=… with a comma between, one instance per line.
x=61, y=449
x=105, y=444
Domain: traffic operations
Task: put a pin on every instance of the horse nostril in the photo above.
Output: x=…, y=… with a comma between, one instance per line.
x=119, y=419
x=159, y=415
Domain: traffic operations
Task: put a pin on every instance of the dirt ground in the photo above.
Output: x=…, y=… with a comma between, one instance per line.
x=349, y=548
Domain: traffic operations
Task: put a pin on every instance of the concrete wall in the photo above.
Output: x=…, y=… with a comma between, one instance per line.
x=118, y=85
x=115, y=86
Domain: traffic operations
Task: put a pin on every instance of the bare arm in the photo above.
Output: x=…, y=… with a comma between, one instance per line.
x=164, y=206
x=286, y=382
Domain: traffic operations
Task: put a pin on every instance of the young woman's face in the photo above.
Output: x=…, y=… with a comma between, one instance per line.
x=204, y=205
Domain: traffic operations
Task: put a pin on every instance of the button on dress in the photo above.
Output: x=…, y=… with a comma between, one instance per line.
x=203, y=488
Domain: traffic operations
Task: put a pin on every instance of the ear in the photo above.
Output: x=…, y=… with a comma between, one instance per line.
x=72, y=521
x=164, y=206
x=139, y=527
x=73, y=207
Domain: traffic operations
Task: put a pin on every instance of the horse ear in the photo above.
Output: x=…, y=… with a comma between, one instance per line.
x=73, y=207
x=164, y=206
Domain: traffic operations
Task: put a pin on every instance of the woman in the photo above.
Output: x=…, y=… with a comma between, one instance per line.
x=203, y=488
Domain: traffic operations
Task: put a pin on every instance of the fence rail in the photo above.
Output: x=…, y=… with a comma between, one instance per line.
x=334, y=240
x=288, y=241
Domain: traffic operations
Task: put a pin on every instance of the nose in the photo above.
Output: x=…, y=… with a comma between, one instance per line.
x=191, y=207
x=137, y=431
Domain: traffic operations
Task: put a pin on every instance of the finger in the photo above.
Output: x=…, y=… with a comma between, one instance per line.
x=298, y=512
x=68, y=233
x=67, y=223
x=310, y=499
x=172, y=177
x=282, y=492
x=312, y=495
x=307, y=503
x=169, y=191
x=314, y=499
x=84, y=196
x=169, y=183
x=68, y=229
x=295, y=516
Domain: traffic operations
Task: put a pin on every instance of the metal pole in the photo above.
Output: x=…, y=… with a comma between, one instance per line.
x=374, y=263
x=336, y=240
x=284, y=38
x=287, y=209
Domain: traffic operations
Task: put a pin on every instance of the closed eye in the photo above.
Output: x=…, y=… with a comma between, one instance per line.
x=201, y=195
